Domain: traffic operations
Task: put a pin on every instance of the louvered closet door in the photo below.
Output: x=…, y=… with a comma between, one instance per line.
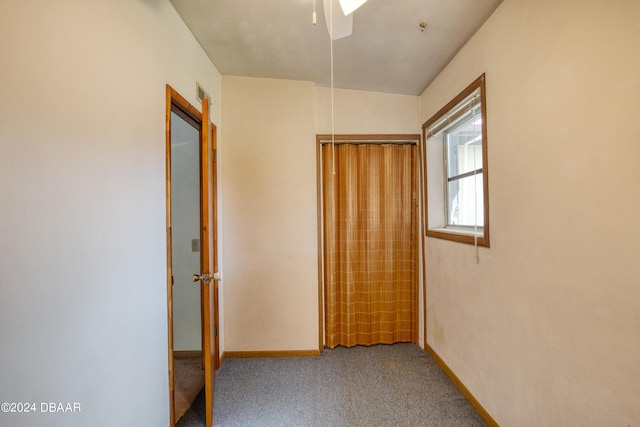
x=370, y=244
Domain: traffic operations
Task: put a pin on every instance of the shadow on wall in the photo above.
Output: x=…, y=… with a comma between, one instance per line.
x=155, y=4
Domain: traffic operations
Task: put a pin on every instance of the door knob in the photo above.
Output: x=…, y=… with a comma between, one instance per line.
x=205, y=278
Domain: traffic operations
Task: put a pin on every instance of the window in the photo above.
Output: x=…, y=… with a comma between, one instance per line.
x=455, y=159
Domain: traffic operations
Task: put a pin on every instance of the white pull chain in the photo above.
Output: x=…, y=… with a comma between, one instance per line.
x=314, y=16
x=333, y=132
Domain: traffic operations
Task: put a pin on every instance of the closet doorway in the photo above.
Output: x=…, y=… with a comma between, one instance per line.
x=368, y=209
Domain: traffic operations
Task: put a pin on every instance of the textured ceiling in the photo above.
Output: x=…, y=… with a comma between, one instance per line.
x=387, y=52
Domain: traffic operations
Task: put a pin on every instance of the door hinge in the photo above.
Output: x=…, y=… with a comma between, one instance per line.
x=216, y=330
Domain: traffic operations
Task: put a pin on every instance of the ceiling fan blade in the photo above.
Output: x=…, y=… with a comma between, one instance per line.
x=348, y=6
x=342, y=24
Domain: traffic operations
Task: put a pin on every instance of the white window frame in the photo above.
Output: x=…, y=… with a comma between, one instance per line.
x=459, y=110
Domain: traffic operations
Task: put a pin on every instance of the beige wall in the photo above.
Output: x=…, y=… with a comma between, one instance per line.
x=83, y=313
x=546, y=329
x=270, y=278
x=366, y=112
x=268, y=167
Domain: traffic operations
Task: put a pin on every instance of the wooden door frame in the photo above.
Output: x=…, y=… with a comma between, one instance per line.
x=208, y=291
x=180, y=106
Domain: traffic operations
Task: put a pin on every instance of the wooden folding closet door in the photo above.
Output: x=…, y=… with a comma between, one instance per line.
x=370, y=243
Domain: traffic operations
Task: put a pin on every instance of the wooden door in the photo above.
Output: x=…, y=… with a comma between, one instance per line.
x=214, y=224
x=207, y=283
x=177, y=105
x=369, y=234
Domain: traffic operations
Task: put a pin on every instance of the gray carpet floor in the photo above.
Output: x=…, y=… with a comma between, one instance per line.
x=382, y=385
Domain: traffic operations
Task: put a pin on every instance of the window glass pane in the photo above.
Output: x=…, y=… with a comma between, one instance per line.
x=465, y=202
x=464, y=147
x=455, y=165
